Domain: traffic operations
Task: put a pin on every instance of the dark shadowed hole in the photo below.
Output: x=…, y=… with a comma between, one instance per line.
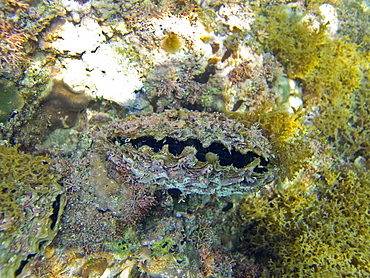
x=228, y=206
x=175, y=193
x=204, y=76
x=56, y=208
x=23, y=264
x=176, y=146
x=42, y=244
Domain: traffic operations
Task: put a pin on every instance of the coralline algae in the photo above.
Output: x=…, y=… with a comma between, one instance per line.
x=195, y=152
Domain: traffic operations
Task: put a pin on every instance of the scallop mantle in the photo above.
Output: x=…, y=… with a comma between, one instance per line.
x=195, y=152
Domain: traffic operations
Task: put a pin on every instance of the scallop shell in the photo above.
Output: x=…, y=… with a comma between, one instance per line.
x=195, y=152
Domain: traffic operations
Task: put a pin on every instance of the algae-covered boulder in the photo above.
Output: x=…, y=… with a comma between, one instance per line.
x=31, y=204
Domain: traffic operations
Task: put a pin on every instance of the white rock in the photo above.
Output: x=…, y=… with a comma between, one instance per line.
x=329, y=16
x=106, y=274
x=182, y=26
x=234, y=16
x=74, y=39
x=103, y=73
x=295, y=102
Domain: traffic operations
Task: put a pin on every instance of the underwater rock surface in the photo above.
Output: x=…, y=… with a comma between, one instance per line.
x=195, y=152
x=32, y=202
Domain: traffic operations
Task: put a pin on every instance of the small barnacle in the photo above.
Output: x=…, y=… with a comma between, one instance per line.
x=171, y=43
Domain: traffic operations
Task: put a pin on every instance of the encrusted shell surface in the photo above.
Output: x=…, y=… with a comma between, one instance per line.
x=32, y=202
x=195, y=152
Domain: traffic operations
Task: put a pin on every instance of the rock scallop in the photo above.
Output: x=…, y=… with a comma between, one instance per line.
x=195, y=152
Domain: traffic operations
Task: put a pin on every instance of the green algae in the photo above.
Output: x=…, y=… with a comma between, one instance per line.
x=354, y=16
x=317, y=225
x=163, y=247
x=10, y=99
x=285, y=132
x=355, y=138
x=330, y=69
x=325, y=234
x=290, y=39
